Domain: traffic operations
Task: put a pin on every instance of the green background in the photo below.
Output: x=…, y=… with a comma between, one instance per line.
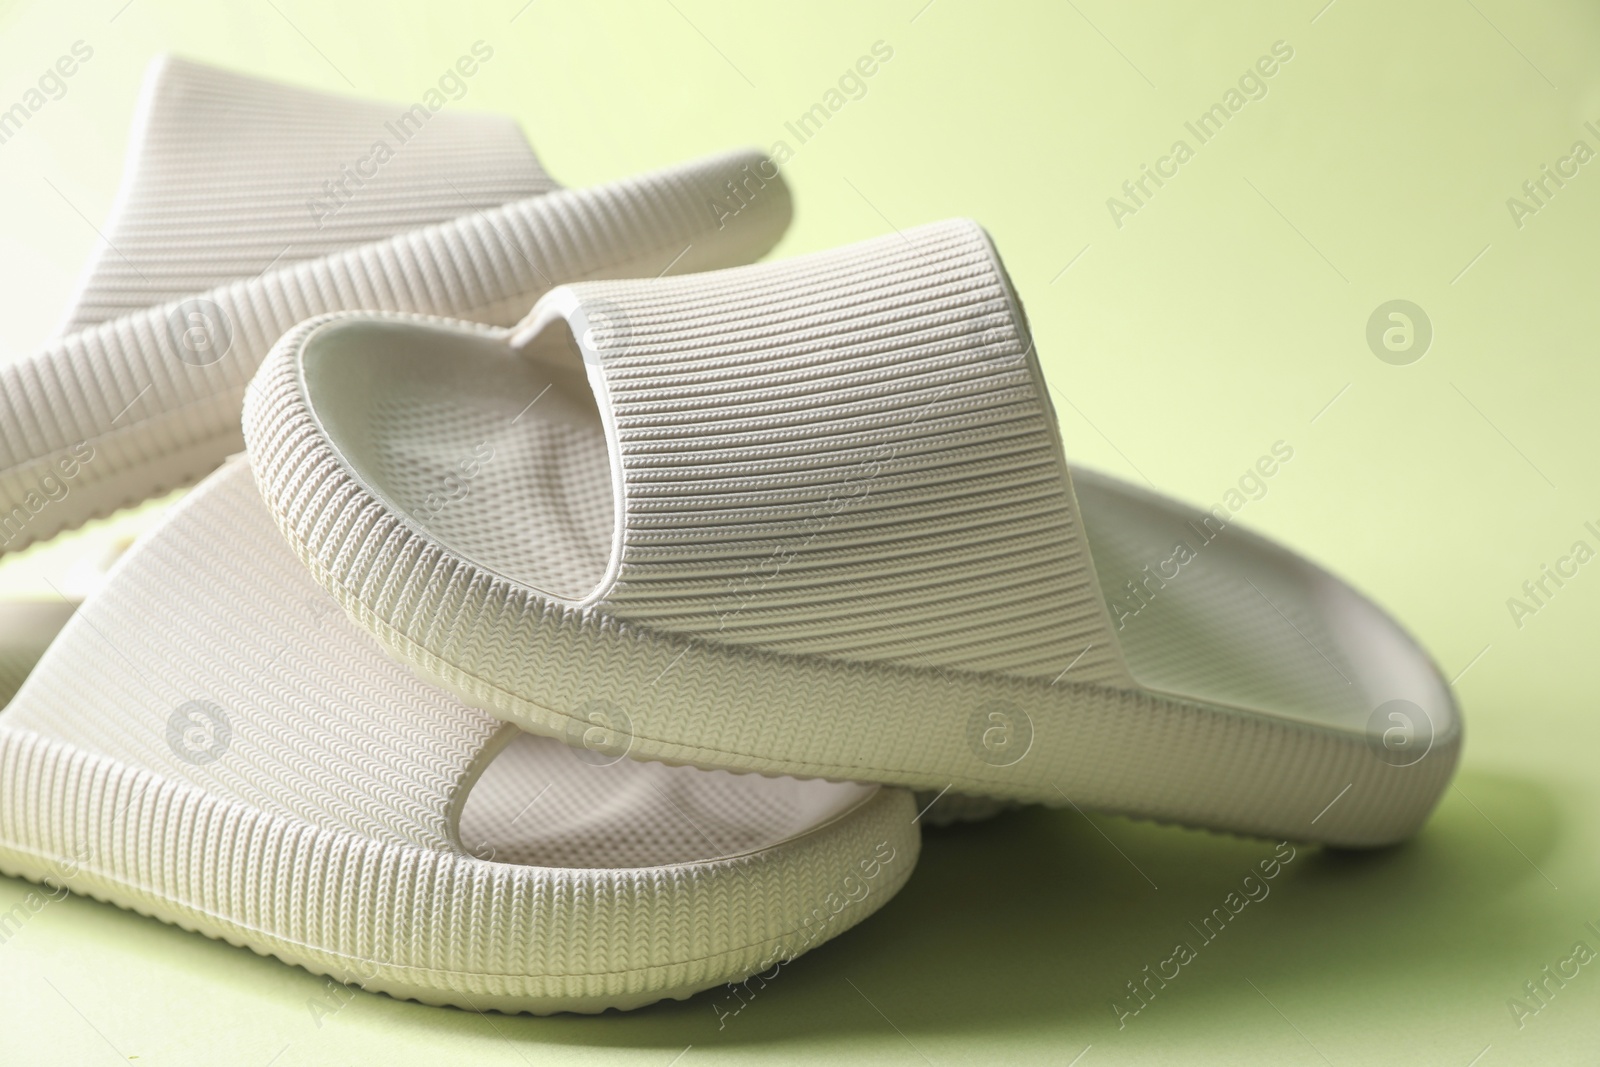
x=1224, y=315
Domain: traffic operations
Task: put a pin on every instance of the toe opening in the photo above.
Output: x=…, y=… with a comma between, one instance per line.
x=499, y=453
x=543, y=803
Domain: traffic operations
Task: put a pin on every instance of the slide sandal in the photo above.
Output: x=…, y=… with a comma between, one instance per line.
x=229, y=175
x=210, y=741
x=128, y=407
x=813, y=518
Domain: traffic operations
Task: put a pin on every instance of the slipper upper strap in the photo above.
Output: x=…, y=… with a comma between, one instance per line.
x=849, y=454
x=230, y=670
x=841, y=542
x=211, y=741
x=228, y=176
x=110, y=416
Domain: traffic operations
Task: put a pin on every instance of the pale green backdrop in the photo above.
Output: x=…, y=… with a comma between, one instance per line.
x=1228, y=312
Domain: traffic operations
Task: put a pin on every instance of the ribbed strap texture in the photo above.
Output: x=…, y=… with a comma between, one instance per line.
x=319, y=823
x=231, y=670
x=154, y=420
x=850, y=454
x=229, y=175
x=536, y=660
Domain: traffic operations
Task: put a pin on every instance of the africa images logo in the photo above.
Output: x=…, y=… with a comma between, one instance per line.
x=200, y=331
x=51, y=487
x=51, y=86
x=600, y=733
x=999, y=734
x=1399, y=332
x=1252, y=85
x=199, y=732
x=338, y=191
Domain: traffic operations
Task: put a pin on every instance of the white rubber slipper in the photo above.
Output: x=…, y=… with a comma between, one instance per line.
x=813, y=518
x=211, y=742
x=125, y=408
x=228, y=176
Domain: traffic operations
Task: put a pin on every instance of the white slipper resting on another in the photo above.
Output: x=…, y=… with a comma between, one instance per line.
x=266, y=774
x=127, y=407
x=813, y=518
x=212, y=742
